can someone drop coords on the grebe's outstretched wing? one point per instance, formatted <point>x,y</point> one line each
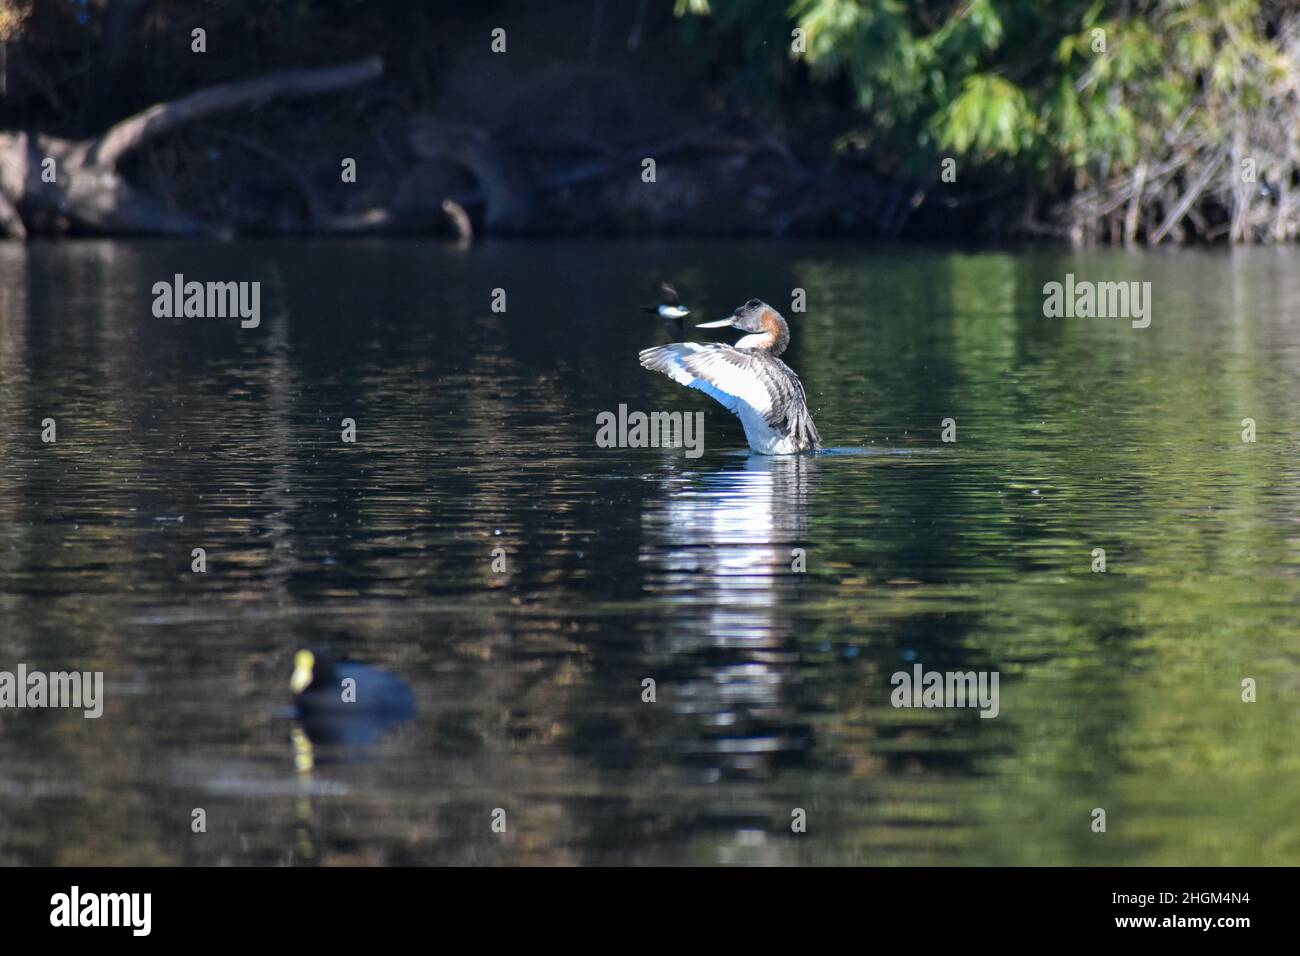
<point>732,377</point>
<point>751,384</point>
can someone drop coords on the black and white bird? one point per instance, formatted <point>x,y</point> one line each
<point>748,378</point>
<point>670,304</point>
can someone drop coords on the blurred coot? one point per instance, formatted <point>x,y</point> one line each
<point>339,701</point>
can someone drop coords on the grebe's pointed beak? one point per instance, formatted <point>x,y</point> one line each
<point>720,324</point>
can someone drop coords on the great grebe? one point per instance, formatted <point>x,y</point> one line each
<point>749,379</point>
<point>670,304</point>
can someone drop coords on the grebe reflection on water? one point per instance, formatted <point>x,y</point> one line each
<point>748,379</point>
<point>717,550</point>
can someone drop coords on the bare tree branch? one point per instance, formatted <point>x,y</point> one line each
<point>128,134</point>
<point>1189,197</point>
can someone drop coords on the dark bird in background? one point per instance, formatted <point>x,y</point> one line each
<point>346,702</point>
<point>670,304</point>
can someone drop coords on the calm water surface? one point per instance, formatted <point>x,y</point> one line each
<point>476,431</point>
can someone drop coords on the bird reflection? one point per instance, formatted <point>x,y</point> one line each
<point>725,551</point>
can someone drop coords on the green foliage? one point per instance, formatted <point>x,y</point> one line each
<point>1077,88</point>
<point>990,115</point>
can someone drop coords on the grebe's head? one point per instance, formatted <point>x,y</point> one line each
<point>767,330</point>
<point>754,316</point>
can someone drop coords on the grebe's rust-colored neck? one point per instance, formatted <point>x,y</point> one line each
<point>773,339</point>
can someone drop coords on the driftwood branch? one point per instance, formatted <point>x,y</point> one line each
<point>1135,205</point>
<point>1188,198</point>
<point>128,134</point>
<point>87,190</point>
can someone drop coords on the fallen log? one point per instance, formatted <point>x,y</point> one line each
<point>82,185</point>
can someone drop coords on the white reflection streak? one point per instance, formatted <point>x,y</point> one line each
<point>719,547</point>
<point>729,536</point>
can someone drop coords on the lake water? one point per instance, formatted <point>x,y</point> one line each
<point>475,431</point>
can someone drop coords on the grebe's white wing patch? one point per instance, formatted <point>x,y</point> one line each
<point>757,387</point>
<point>732,378</point>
